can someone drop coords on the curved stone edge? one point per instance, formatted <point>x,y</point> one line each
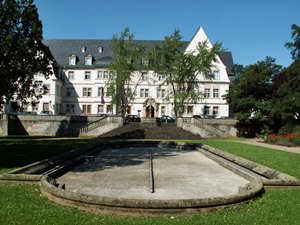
<point>273,177</point>
<point>53,192</point>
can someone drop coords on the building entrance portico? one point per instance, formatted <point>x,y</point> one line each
<point>150,108</point>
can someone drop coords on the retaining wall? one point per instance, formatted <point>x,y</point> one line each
<point>209,127</point>
<point>49,125</point>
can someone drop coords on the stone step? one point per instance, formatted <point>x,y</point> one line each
<point>139,131</point>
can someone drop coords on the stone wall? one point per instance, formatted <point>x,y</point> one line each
<point>47,125</point>
<point>209,127</point>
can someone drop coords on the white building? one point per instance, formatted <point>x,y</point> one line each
<point>80,85</point>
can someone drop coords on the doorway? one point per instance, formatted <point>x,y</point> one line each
<point>149,112</point>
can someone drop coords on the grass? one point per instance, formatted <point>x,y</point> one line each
<point>23,204</point>
<point>20,151</point>
<point>279,160</point>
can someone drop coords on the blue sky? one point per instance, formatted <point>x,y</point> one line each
<point>250,29</point>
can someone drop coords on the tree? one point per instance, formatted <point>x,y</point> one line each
<point>126,54</point>
<point>250,96</point>
<point>182,69</point>
<point>295,46</point>
<point>287,93</point>
<point>22,53</point>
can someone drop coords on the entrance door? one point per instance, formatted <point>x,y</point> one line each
<point>150,112</point>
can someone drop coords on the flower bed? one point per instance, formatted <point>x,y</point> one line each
<point>290,139</point>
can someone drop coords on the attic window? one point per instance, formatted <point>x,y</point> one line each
<point>199,43</point>
<point>83,49</point>
<point>88,60</point>
<point>100,49</point>
<point>72,60</point>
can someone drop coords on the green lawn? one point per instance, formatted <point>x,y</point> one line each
<point>23,204</point>
<point>283,161</point>
<point>20,151</point>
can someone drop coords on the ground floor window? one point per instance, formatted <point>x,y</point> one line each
<point>128,109</point>
<point>100,109</point>
<point>215,111</point>
<point>163,110</point>
<point>45,106</point>
<point>109,109</point>
<point>190,109</point>
<point>206,110</point>
<point>86,109</point>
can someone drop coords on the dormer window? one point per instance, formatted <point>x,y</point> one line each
<point>72,60</point>
<point>88,60</point>
<point>100,49</point>
<point>83,49</point>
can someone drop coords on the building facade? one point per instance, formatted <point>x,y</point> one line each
<point>80,85</point>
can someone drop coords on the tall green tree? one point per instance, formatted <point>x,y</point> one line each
<point>22,53</point>
<point>250,96</point>
<point>287,84</point>
<point>182,69</point>
<point>126,57</point>
<point>295,45</point>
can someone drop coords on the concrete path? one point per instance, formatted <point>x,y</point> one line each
<point>266,145</point>
<point>178,174</point>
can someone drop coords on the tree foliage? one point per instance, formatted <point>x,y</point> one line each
<point>250,96</point>
<point>22,53</point>
<point>126,54</point>
<point>295,45</point>
<point>182,69</point>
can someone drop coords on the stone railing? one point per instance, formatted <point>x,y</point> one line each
<point>106,120</point>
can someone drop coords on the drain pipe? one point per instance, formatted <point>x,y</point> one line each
<point>151,171</point>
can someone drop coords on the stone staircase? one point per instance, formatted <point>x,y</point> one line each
<point>140,131</point>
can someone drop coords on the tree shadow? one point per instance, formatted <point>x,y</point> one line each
<point>125,156</point>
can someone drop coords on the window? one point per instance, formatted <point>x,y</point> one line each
<point>105,74</point>
<point>87,92</point>
<point>111,74</point>
<point>87,75</point>
<point>109,109</point>
<point>144,93</point>
<point>83,49</point>
<point>163,110</point>
<point>70,92</point>
<point>144,76</point>
<point>217,75</point>
<point>161,77</point>
<point>160,93</point>
<point>46,106</point>
<point>190,109</point>
<point>100,91</point>
<point>216,93</point>
<point>86,109</point>
<point>100,75</point>
<point>100,49</point>
<point>206,93</point>
<point>100,109</point>
<point>206,110</point>
<point>215,111</point>
<point>46,89</point>
<point>72,60</point>
<point>88,60</point>
<point>70,108</point>
<point>71,75</point>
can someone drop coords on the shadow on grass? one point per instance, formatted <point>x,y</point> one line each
<point>16,152</point>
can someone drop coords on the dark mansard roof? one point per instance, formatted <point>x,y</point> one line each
<point>63,49</point>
